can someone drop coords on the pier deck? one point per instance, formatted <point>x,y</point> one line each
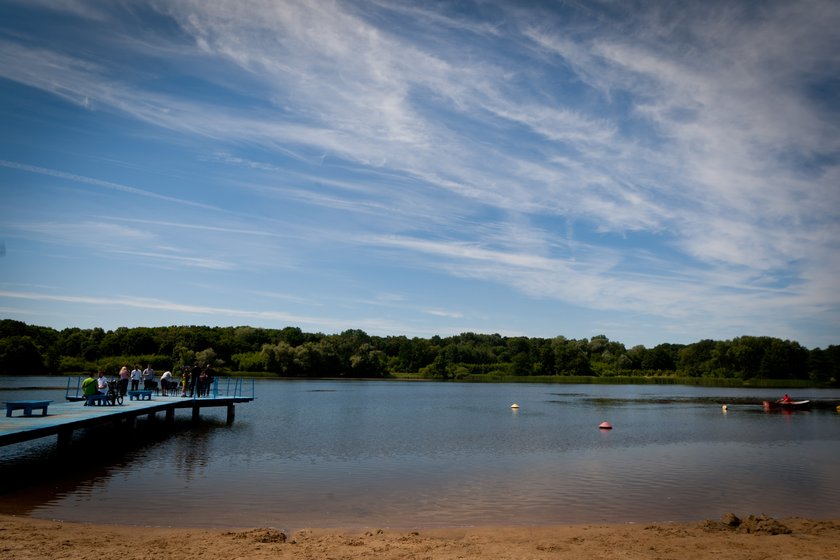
<point>64,418</point>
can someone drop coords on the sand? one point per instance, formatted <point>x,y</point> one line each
<point>753,537</point>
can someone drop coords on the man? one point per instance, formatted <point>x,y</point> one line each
<point>89,386</point>
<point>102,383</point>
<point>136,374</point>
<point>196,371</point>
<point>164,382</point>
<point>149,378</point>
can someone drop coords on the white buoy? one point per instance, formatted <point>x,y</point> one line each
<point>514,405</point>
<point>725,408</point>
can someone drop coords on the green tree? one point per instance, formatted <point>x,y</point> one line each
<point>659,358</point>
<point>784,359</point>
<point>570,357</point>
<point>697,359</point>
<point>20,356</point>
<point>280,359</point>
<point>367,362</point>
<point>207,357</point>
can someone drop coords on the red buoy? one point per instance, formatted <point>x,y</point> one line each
<point>605,426</point>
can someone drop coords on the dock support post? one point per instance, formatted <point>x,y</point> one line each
<point>231,414</point>
<point>64,439</point>
<point>170,415</point>
<point>195,415</point>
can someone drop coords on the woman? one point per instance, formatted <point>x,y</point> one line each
<point>124,375</point>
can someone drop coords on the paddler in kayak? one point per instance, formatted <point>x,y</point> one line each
<point>785,399</point>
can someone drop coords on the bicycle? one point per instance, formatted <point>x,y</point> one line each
<point>114,396</point>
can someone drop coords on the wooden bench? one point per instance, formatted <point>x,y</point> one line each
<point>140,395</point>
<point>27,407</point>
<point>99,398</point>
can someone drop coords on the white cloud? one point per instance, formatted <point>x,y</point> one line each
<point>100,183</point>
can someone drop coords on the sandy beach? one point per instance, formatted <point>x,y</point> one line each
<point>729,538</point>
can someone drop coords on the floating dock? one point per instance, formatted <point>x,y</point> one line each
<point>63,418</point>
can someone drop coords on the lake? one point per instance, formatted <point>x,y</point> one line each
<point>407,454</point>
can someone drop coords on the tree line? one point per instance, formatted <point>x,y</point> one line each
<point>290,352</point>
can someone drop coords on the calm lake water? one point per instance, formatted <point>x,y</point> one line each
<point>424,454</point>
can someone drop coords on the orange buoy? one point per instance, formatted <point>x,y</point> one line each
<point>605,426</point>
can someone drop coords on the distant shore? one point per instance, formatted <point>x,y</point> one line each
<point>723,383</point>
<point>730,538</point>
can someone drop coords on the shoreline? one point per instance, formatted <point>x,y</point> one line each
<point>728,538</point>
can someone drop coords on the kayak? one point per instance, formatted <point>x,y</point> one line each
<point>787,404</point>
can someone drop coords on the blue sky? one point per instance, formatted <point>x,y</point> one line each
<point>654,172</point>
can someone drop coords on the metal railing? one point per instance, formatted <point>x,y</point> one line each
<point>77,394</point>
<point>235,387</point>
<point>239,387</point>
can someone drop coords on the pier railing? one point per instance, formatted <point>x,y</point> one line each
<point>236,387</point>
<point>77,390</point>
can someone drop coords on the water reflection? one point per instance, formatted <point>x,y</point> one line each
<point>36,476</point>
<point>191,450</point>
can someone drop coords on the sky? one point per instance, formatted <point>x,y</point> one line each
<point>656,172</point>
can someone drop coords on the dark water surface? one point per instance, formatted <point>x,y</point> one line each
<point>416,454</point>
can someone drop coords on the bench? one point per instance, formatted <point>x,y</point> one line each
<point>27,407</point>
<point>140,395</point>
<point>99,398</point>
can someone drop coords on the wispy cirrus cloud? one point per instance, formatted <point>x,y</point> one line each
<point>103,184</point>
<point>192,312</point>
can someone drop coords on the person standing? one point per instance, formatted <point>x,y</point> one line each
<point>196,371</point>
<point>149,378</point>
<point>185,380</point>
<point>136,375</point>
<point>124,375</point>
<point>199,387</point>
<point>208,380</point>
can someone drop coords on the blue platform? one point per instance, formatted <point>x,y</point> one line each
<point>66,417</point>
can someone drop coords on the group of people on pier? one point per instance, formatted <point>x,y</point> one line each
<point>195,381</point>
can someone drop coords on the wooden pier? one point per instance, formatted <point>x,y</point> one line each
<point>65,417</point>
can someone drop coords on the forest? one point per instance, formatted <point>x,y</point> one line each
<point>289,352</point>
